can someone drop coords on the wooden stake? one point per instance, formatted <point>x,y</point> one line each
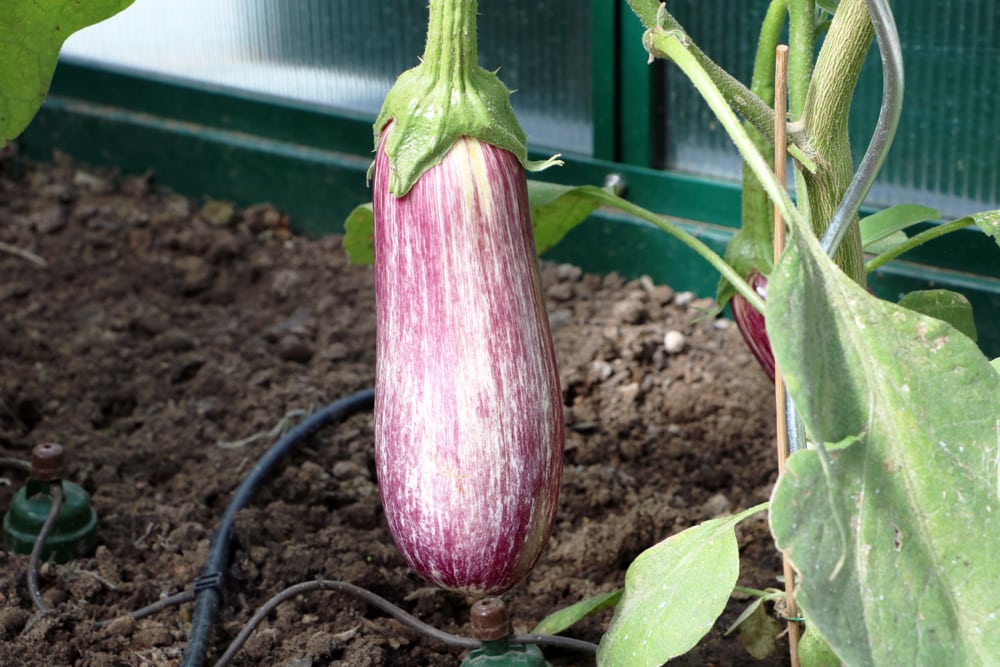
<point>780,168</point>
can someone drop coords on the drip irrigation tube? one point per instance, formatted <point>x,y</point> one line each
<point>457,641</point>
<point>43,607</point>
<point>208,587</point>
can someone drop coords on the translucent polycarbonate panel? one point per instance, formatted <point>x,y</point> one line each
<point>947,146</point>
<point>695,142</point>
<point>949,134</point>
<point>344,55</point>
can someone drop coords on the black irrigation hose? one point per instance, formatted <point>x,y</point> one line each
<point>15,464</point>
<point>149,610</point>
<point>556,641</point>
<point>208,587</point>
<point>207,591</point>
<point>344,587</point>
<point>56,492</point>
<point>375,600</point>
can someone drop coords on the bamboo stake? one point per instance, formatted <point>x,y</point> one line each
<point>780,168</point>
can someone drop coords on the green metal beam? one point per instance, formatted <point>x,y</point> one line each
<point>635,101</point>
<point>604,19</point>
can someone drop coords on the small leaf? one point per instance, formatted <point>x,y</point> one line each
<point>989,222</point>
<point>828,5</point>
<point>32,35</point>
<point>358,235</point>
<point>674,592</point>
<point>744,615</point>
<point>952,307</point>
<point>881,225</point>
<point>556,210</point>
<point>758,631</point>
<point>561,619</point>
<point>814,651</point>
<point>888,244</point>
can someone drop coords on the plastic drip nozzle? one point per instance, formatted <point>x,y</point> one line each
<point>75,531</point>
<point>491,625</point>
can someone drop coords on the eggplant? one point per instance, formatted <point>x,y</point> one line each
<point>468,410</point>
<point>751,324</point>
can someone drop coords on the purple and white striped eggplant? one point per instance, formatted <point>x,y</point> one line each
<point>751,324</point>
<point>468,411</point>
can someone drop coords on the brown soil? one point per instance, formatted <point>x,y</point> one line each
<point>161,331</point>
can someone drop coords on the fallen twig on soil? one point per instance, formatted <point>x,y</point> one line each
<point>23,254</point>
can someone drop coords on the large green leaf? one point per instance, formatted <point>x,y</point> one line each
<point>674,592</point>
<point>31,34</point>
<point>895,535</point>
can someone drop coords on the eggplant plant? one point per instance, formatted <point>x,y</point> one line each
<point>888,504</point>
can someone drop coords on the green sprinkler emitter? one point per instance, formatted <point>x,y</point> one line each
<point>74,531</point>
<point>491,626</point>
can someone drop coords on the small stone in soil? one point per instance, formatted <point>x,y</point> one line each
<point>674,342</point>
<point>50,220</point>
<point>293,348</point>
<point>569,272</point>
<point>12,621</point>
<point>717,505</point>
<point>630,311</point>
<point>123,626</point>
<point>684,298</point>
<point>218,212</point>
<point>197,274</point>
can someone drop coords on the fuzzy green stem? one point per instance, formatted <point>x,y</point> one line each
<point>767,594</point>
<point>801,43</point>
<point>825,117</point>
<point>750,249</point>
<point>608,199</point>
<point>671,44</point>
<point>916,241</point>
<point>757,210</point>
<point>762,80</point>
<point>451,49</point>
<point>801,52</point>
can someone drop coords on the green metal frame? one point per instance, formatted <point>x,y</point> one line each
<point>205,141</point>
